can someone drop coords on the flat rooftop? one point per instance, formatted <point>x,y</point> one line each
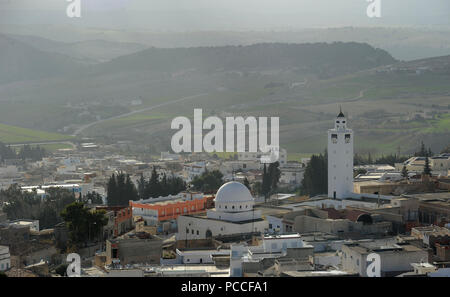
<point>328,273</point>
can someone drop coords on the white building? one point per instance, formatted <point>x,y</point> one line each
<point>192,170</point>
<point>167,156</point>
<point>292,175</point>
<point>340,159</point>
<point>234,214</point>
<point>74,188</point>
<point>200,256</point>
<point>33,224</point>
<point>5,258</point>
<point>394,258</point>
<point>272,246</point>
<point>256,156</point>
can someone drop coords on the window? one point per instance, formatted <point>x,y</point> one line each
<point>347,138</point>
<point>334,138</point>
<point>197,232</point>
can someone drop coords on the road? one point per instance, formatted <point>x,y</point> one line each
<point>84,127</point>
<point>42,143</point>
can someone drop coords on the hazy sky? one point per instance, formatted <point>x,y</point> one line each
<point>227,14</point>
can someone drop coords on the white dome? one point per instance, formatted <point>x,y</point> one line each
<point>233,192</point>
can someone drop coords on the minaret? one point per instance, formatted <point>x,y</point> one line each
<point>340,159</point>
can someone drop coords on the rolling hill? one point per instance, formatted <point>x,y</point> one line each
<point>86,52</point>
<point>390,104</point>
<point>19,61</point>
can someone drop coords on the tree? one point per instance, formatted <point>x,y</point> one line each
<point>120,190</point>
<point>141,187</point>
<point>315,179</point>
<point>359,171</point>
<point>83,225</point>
<point>94,197</point>
<point>265,187</point>
<point>111,190</point>
<point>25,205</point>
<point>274,175</point>
<point>257,188</point>
<point>246,183</point>
<point>6,152</point>
<point>423,152</point>
<point>426,168</point>
<point>405,172</point>
<point>208,181</point>
<point>153,187</point>
<point>168,185</point>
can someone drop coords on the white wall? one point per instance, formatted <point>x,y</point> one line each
<point>340,161</point>
<point>5,258</point>
<point>215,226</point>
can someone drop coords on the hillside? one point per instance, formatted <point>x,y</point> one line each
<point>402,43</point>
<point>86,52</point>
<point>390,104</point>
<point>19,61</point>
<point>319,58</point>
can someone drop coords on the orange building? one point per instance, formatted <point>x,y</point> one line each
<point>170,209</point>
<point>123,218</point>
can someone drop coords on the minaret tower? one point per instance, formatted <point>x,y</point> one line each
<point>340,159</point>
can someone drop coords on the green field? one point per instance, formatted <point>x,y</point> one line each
<point>13,134</point>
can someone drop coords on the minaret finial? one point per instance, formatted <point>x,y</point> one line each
<point>341,114</point>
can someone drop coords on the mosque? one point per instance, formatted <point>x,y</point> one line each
<point>233,214</point>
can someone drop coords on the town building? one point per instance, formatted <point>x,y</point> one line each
<point>5,258</point>
<point>133,249</point>
<point>157,210</point>
<point>120,220</point>
<point>233,214</point>
<point>394,258</point>
<point>288,249</point>
<point>340,159</point>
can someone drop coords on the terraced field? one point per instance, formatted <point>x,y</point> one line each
<point>13,134</point>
